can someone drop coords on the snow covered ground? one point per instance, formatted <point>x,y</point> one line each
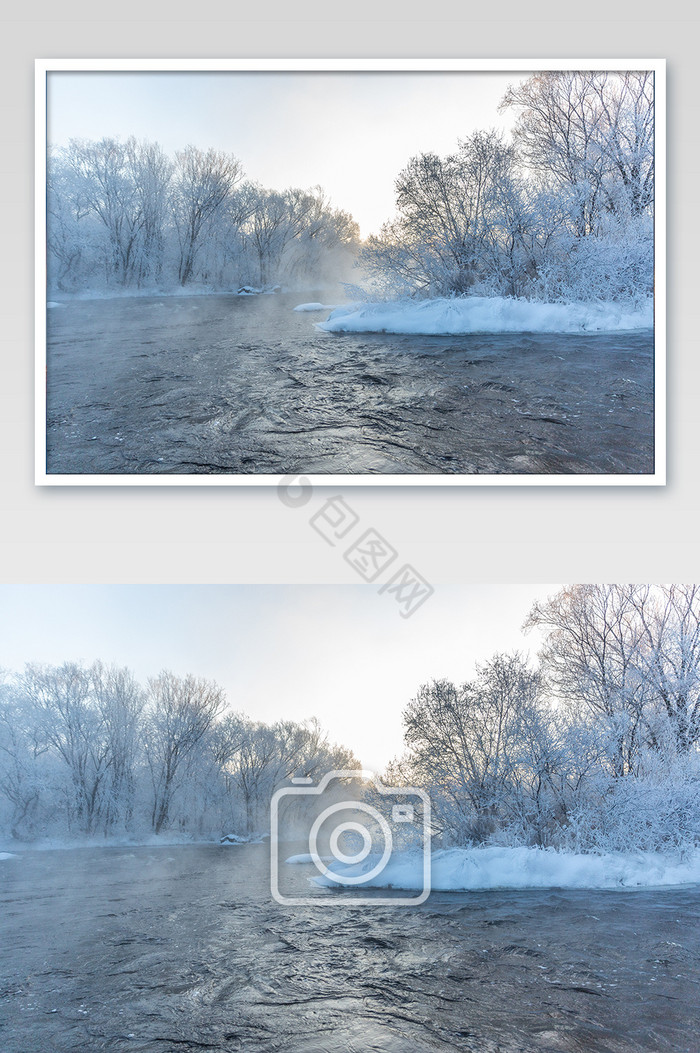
<point>9,849</point>
<point>485,314</point>
<point>469,869</point>
<point>316,307</point>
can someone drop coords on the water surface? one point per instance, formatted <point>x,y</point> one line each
<point>158,950</point>
<point>229,384</point>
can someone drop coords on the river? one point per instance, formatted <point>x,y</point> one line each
<point>165,949</point>
<point>227,384</point>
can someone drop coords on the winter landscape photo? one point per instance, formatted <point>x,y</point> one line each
<point>427,273</point>
<point>283,818</point>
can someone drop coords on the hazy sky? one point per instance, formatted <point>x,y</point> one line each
<point>341,653</point>
<point>352,133</point>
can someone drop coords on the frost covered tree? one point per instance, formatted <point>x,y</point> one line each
<point>22,762</point>
<point>85,716</point>
<point>591,135</point>
<point>597,750</point>
<point>587,140</point>
<point>563,212</point>
<point>85,750</point>
<point>669,659</point>
<point>67,232</point>
<point>72,727</point>
<point>590,659</point>
<point>452,218</point>
<point>466,743</point>
<point>296,234</point>
<point>179,712</point>
<point>271,228</point>
<point>119,700</point>
<point>559,137</point>
<point>152,173</point>
<point>222,260</point>
<point>124,214</point>
<point>105,189</point>
<point>627,107</point>
<point>107,212</point>
<point>628,656</point>
<point>267,755</point>
<point>325,241</point>
<point>202,184</point>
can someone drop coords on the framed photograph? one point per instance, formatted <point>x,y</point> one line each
<point>369,272</point>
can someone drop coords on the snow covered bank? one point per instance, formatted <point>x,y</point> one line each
<point>468,869</point>
<point>485,314</point>
<point>316,307</point>
<point>162,292</point>
<point>70,844</point>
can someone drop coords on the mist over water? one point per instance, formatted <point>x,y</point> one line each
<point>229,384</point>
<point>182,948</point>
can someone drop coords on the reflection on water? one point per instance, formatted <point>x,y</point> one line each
<point>227,384</point>
<point>182,948</point>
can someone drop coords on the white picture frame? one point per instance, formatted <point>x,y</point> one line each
<point>43,69</point>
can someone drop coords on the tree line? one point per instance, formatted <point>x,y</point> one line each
<point>85,750</point>
<point>595,747</point>
<point>125,215</point>
<point>564,211</point>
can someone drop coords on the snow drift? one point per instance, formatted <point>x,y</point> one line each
<point>485,314</point>
<point>315,307</point>
<point>469,869</point>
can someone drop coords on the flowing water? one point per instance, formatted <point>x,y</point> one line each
<point>158,950</point>
<point>236,384</point>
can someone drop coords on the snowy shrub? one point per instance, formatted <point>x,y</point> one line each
<point>654,812</point>
<point>617,264</point>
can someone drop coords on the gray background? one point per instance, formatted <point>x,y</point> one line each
<point>208,534</point>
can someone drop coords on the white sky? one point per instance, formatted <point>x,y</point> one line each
<point>352,133</point>
<point>341,653</point>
